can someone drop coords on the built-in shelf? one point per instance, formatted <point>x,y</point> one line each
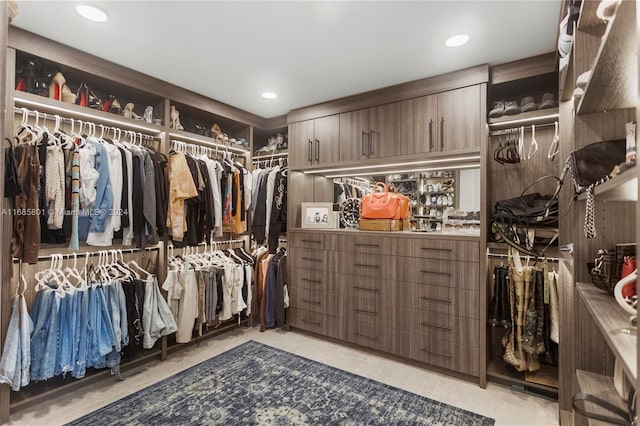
<point>547,115</point>
<point>500,372</point>
<point>614,75</point>
<point>68,110</point>
<point>206,141</point>
<point>611,319</point>
<point>623,187</point>
<point>602,387</point>
<point>270,156</point>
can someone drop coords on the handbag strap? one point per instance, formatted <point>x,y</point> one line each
<point>624,416</point>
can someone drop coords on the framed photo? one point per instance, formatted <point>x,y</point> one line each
<point>318,215</point>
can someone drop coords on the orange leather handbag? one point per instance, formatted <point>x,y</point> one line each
<point>384,204</point>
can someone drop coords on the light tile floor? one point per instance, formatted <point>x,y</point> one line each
<point>507,407</point>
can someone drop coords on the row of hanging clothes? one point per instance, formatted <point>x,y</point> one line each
<point>269,201</point>
<point>207,197</point>
<point>271,297</point>
<point>206,288</point>
<point>81,320</point>
<point>83,185</point>
<point>525,304</point>
<point>344,188</point>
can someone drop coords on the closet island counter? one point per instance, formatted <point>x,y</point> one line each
<point>413,295</point>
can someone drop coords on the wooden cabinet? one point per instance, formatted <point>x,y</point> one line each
<point>459,119</point>
<point>414,297</point>
<point>314,141</point>
<point>370,133</point>
<point>419,130</point>
<point>354,135</point>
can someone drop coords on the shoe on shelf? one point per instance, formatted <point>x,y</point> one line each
<point>216,132</point>
<point>511,108</point>
<point>87,98</point>
<point>106,105</point>
<point>528,104</point>
<point>55,86</point>
<point>115,107</point>
<point>67,95</point>
<point>497,110</point>
<point>129,113</point>
<point>175,119</point>
<point>548,101</point>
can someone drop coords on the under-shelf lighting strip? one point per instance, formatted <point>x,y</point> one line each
<point>270,156</point>
<point>92,117</point>
<point>530,120</point>
<point>392,172</point>
<point>208,143</point>
<point>381,168</point>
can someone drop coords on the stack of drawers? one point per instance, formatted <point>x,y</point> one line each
<point>414,297</point>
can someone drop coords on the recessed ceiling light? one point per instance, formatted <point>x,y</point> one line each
<point>457,40</point>
<point>269,95</point>
<point>91,13</point>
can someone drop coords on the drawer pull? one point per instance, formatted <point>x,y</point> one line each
<point>364,265</point>
<point>432,299</point>
<point>364,311</point>
<point>435,273</point>
<point>367,245</point>
<point>311,259</point>
<point>366,337</point>
<point>426,324</point>
<point>375,290</point>
<point>312,241</point>
<point>435,249</point>
<point>311,281</point>
<point>311,301</point>
<point>435,353</point>
<point>310,322</point>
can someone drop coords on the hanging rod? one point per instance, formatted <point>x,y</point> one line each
<point>82,123</point>
<point>526,121</point>
<point>268,157</point>
<point>549,259</point>
<point>187,147</point>
<point>91,253</point>
<point>205,142</point>
<point>512,130</point>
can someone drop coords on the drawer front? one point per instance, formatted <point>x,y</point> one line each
<point>365,244</point>
<point>425,271</point>
<point>367,305</point>
<point>314,259</point>
<point>445,300</point>
<point>451,328</point>
<point>428,248</point>
<point>312,240</point>
<point>365,265</point>
<point>461,358</point>
<point>372,336</point>
<point>317,301</point>
<point>318,323</point>
<point>314,280</point>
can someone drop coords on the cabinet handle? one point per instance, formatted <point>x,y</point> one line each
<point>375,290</point>
<point>435,249</point>
<point>311,281</point>
<point>310,151</point>
<point>434,272</point>
<point>364,265</point>
<point>311,322</point>
<point>364,152</point>
<point>371,132</point>
<point>426,324</point>
<point>365,336</point>
<point>311,301</point>
<point>317,151</point>
<point>365,311</point>
<point>312,241</point>
<point>430,134</point>
<point>442,134</point>
<point>311,259</point>
<point>367,245</point>
<point>448,302</point>
<point>436,353</point>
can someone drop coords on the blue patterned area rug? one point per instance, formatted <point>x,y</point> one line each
<point>257,384</point>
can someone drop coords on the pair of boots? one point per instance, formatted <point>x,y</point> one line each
<point>499,310</point>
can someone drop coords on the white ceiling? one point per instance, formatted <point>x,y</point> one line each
<point>306,52</point>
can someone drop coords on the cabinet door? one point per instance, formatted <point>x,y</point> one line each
<point>301,141</point>
<point>420,130</point>
<point>384,134</point>
<point>459,119</point>
<point>354,128</point>
<point>326,140</point>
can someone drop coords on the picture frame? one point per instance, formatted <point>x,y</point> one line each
<point>318,216</point>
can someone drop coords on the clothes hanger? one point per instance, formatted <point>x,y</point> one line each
<point>533,147</point>
<point>554,148</point>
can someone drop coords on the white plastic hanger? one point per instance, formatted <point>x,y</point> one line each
<point>533,147</point>
<point>554,147</point>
